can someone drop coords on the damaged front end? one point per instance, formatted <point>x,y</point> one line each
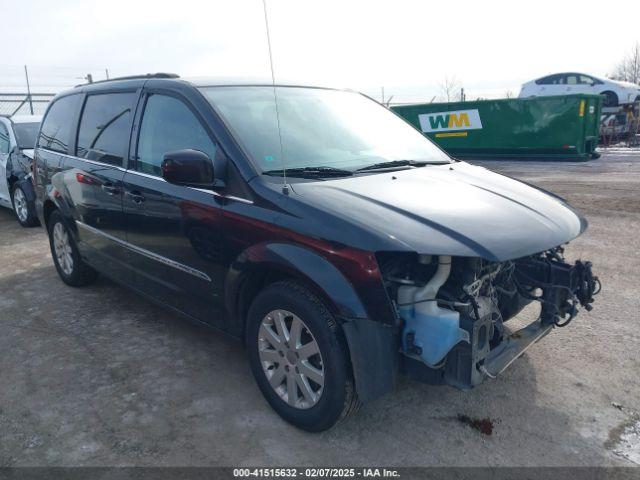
<point>453,309</point>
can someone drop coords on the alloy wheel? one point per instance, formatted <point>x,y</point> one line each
<point>62,248</point>
<point>291,359</point>
<point>20,205</point>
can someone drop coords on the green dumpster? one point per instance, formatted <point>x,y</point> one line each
<point>559,127</point>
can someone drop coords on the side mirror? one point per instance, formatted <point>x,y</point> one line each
<point>191,168</point>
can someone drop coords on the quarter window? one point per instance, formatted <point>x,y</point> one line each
<point>169,125</point>
<point>57,128</point>
<point>4,139</point>
<point>105,127</point>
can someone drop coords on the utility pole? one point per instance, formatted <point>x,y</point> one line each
<point>26,74</point>
<point>383,95</point>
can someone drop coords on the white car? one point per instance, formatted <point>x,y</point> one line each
<point>17,141</point>
<point>614,92</point>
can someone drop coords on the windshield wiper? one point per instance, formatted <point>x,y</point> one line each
<point>397,163</point>
<point>319,171</point>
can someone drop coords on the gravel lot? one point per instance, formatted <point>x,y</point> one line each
<point>100,376</point>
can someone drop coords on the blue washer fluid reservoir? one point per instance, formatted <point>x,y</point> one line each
<point>434,330</point>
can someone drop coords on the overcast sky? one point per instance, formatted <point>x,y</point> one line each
<point>491,47</point>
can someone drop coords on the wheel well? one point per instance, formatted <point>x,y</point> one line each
<point>612,93</point>
<point>11,182</point>
<point>254,283</point>
<point>48,209</point>
<point>258,280</point>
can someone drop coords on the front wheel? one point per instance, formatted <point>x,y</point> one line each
<point>21,207</point>
<point>66,257</point>
<point>298,359</point>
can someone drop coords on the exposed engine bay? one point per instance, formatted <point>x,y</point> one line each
<point>453,310</point>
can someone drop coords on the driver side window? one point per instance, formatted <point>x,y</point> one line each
<point>169,125</point>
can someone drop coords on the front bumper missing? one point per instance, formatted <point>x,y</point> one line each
<point>564,287</point>
<point>512,347</point>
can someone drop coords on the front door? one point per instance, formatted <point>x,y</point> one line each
<point>5,144</point>
<point>174,231</point>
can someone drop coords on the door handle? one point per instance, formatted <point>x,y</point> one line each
<point>110,189</point>
<point>136,196</point>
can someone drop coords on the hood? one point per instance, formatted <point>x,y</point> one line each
<point>28,152</point>
<point>457,209</point>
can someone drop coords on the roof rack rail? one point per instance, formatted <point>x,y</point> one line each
<point>132,77</point>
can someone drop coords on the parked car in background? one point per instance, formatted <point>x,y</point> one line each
<point>614,127</point>
<point>614,92</point>
<point>331,236</point>
<point>17,140</point>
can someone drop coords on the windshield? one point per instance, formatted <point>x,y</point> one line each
<point>26,134</point>
<point>318,127</point>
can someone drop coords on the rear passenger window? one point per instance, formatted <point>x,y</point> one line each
<point>169,125</point>
<point>57,127</point>
<point>105,127</point>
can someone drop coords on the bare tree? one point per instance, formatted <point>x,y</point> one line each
<point>450,88</point>
<point>508,94</point>
<point>629,67</point>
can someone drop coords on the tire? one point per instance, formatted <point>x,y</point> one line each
<point>312,407</point>
<point>21,207</point>
<point>610,99</point>
<point>71,268</point>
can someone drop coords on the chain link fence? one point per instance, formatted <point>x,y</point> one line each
<point>24,103</point>
<point>26,90</point>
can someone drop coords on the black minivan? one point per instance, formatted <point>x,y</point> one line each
<point>341,245</point>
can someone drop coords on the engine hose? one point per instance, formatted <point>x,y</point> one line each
<point>474,304</point>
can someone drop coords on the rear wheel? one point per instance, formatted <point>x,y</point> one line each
<point>21,208</point>
<point>66,257</point>
<point>297,358</point>
<point>610,99</point>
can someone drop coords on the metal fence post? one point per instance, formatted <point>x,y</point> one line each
<point>26,74</point>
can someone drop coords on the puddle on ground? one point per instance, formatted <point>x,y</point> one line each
<point>628,442</point>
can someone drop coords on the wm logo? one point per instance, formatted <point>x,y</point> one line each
<point>450,121</point>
